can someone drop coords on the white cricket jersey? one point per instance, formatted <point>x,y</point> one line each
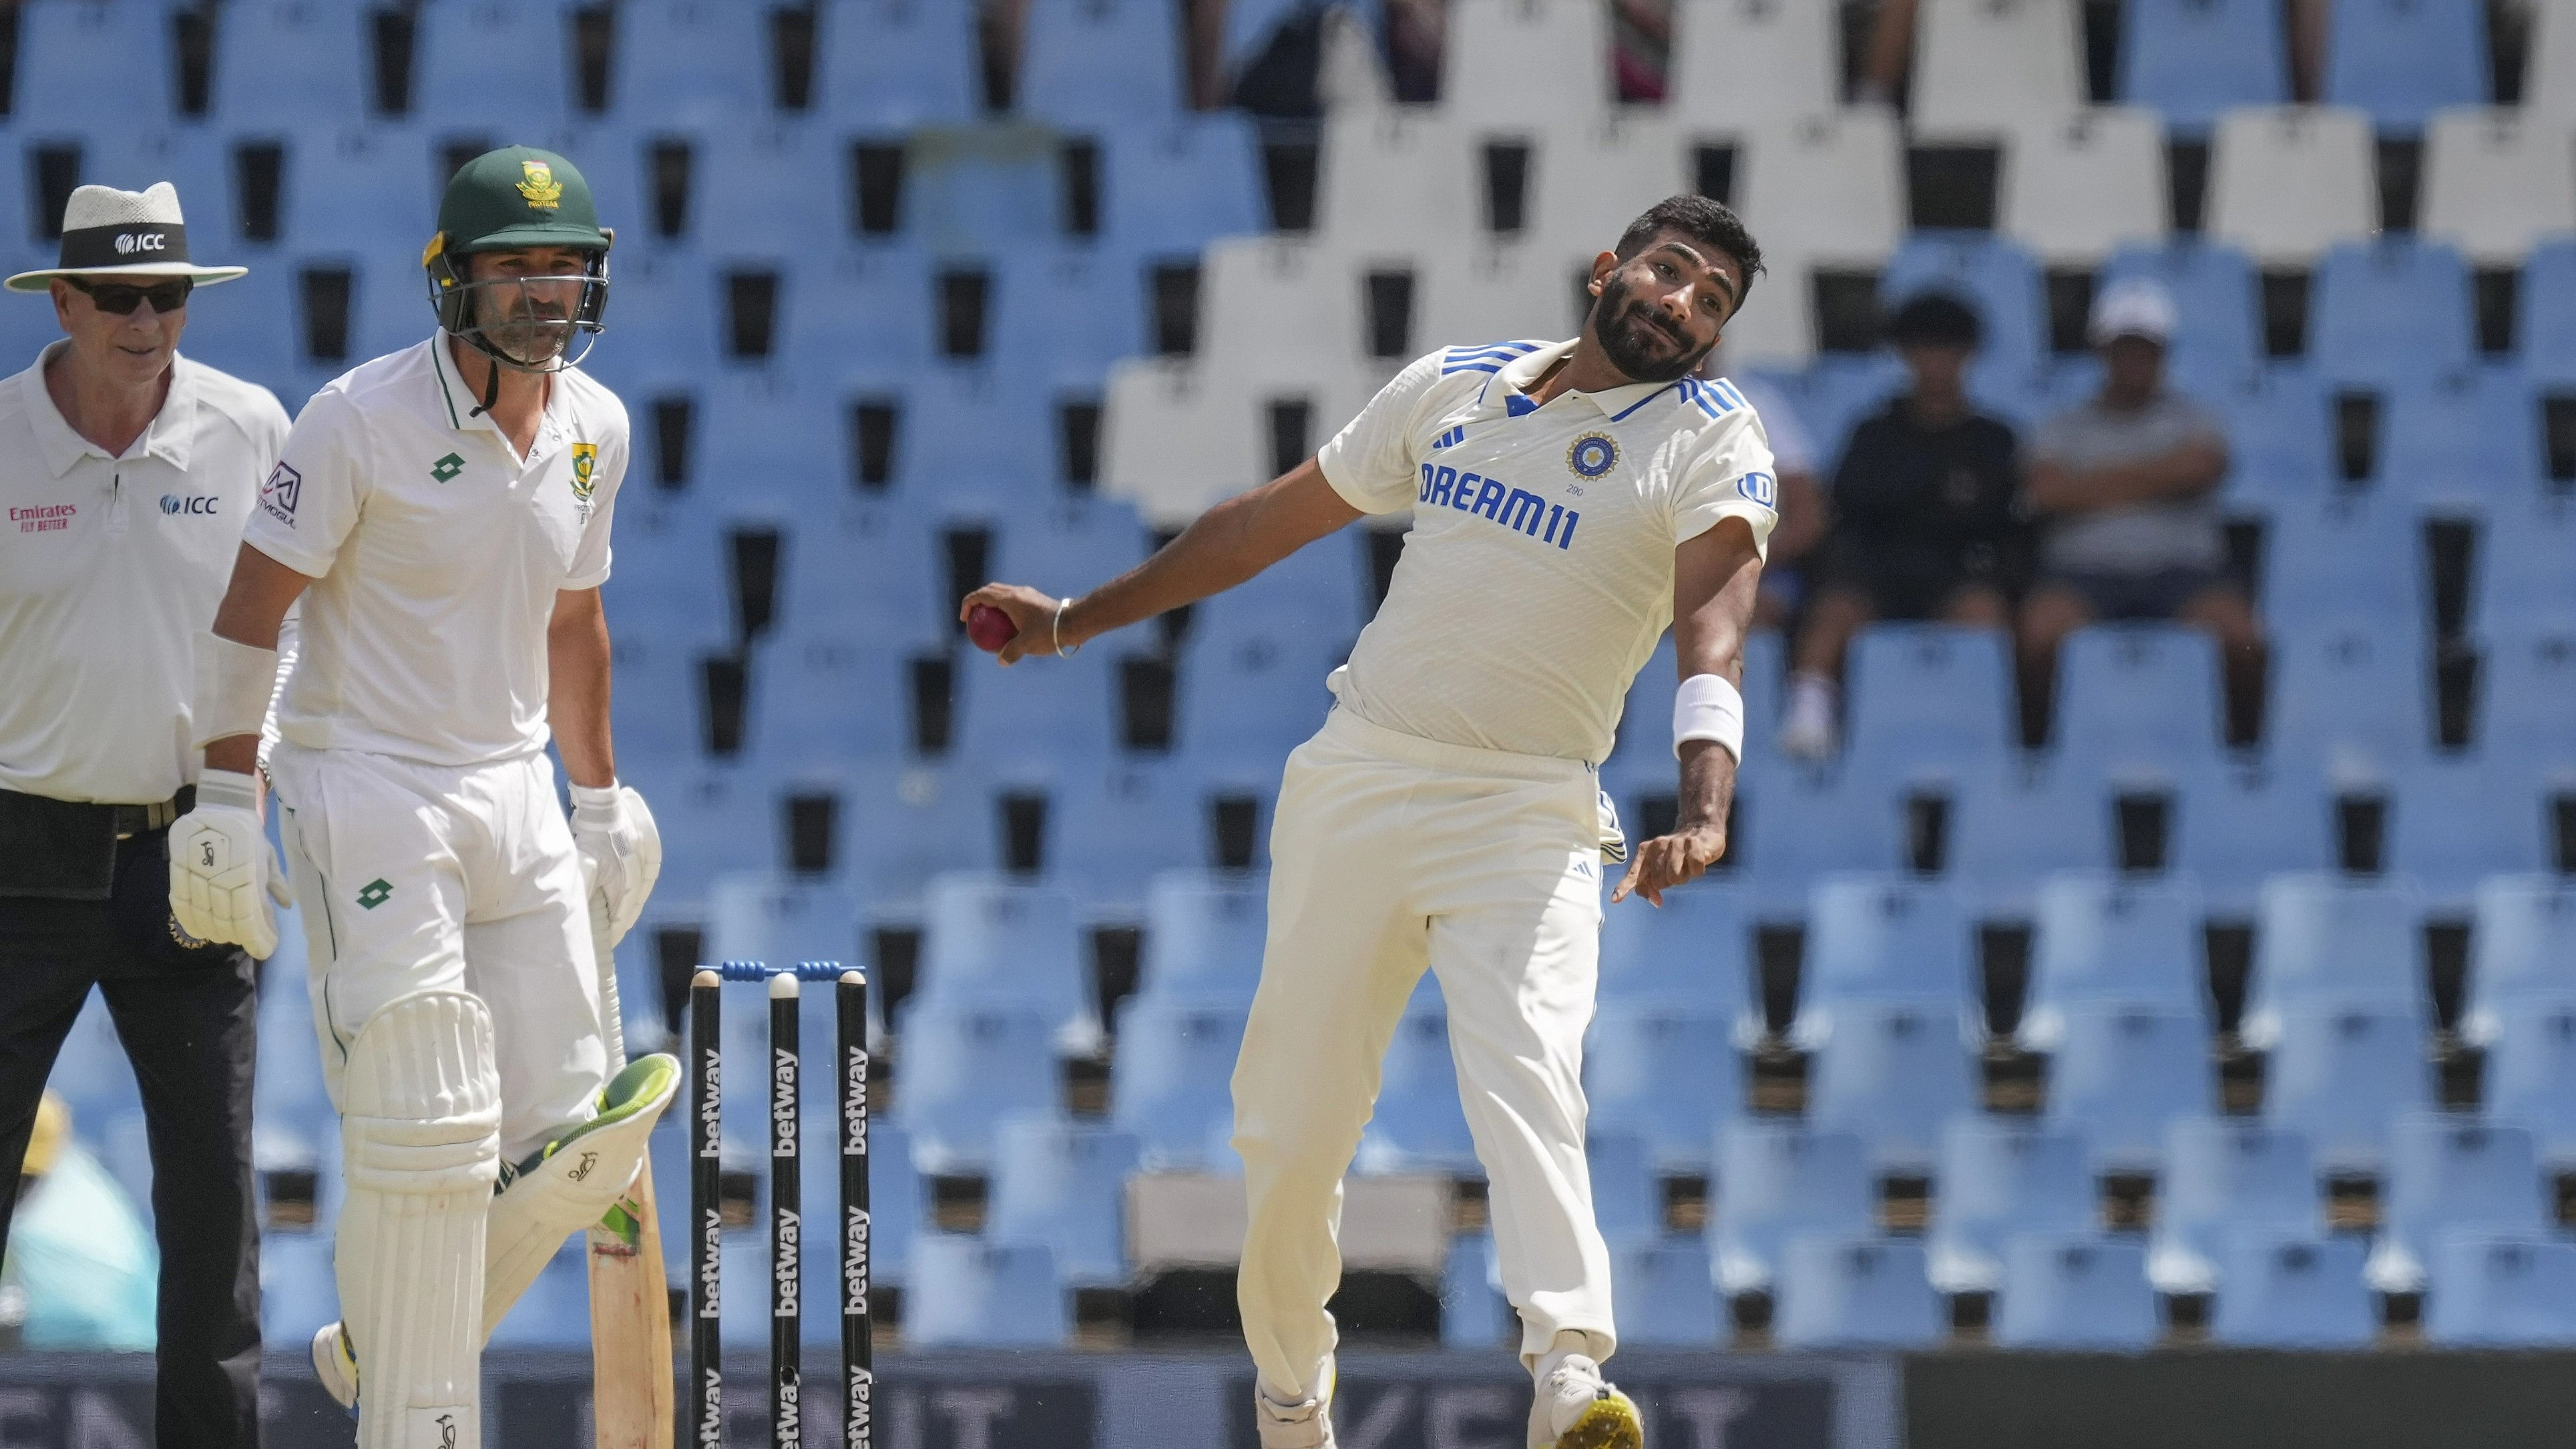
<point>436,553</point>
<point>110,569</point>
<point>1539,572</point>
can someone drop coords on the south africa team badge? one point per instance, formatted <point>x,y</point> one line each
<point>1592,455</point>
<point>585,457</point>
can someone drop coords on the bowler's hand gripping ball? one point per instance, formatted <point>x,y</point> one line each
<point>990,628</point>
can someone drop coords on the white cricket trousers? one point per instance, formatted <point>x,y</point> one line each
<point>1391,853</point>
<point>414,877</point>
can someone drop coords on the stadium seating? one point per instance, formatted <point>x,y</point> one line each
<point>1667,1072</point>
<point>1845,1291</point>
<point>969,1293</point>
<point>2449,1174</point>
<point>2344,561</point>
<point>2522,705</point>
<point>2008,830</point>
<point>2194,60</point>
<point>1171,1090</point>
<point>887,66</point>
<point>1980,70</point>
<point>2081,1291</point>
<point>2401,60</point>
<point>2456,443</point>
<point>2341,1074</point>
<point>1627,1193</point>
<point>2552,52</point>
<point>965,1072</point>
<point>1064,1185</point>
<point>2531,1076</point>
<point>2336,941</point>
<point>2518,590</point>
<point>1895,1073</point>
<point>991,941</point>
<point>1419,1125</point>
<point>2351,700</point>
<point>2522,951</point>
<point>2077,188</point>
<point>1882,938</point>
<point>1995,277</point>
<point>1775,1178</point>
<point>2456,824</point>
<point>1694,951</point>
<point>1930,704</point>
<point>2287,182</point>
<point>2106,940</point>
<point>2493,185</point>
<point>1660,1292</point>
<point>1092,65</point>
<point>1736,64</point>
<point>2124,1074</point>
<point>1827,187</point>
<point>2139,704</point>
<point>1998,1178</point>
<point>2502,1291</point>
<point>1521,64</point>
<point>2235,824</point>
<point>2390,311</point>
<point>2293,1292</point>
<point>2226,1176</point>
<point>1473,1311</point>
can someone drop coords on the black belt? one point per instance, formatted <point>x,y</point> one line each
<point>127,820</point>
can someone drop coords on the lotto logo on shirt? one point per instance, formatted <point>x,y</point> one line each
<point>1517,509</point>
<point>44,517</point>
<point>277,495</point>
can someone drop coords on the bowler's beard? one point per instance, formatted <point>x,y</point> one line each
<point>1637,340</point>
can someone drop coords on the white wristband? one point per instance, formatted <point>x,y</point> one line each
<point>1708,707</point>
<point>228,787</point>
<point>234,682</point>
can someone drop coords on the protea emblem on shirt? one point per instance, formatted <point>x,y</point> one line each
<point>585,459</point>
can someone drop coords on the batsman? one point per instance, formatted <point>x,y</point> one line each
<point>443,514</point>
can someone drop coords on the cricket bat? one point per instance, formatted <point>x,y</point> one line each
<point>630,1305</point>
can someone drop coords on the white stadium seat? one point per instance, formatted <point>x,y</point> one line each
<point>2076,188</point>
<point>1737,64</point>
<point>1828,187</point>
<point>1983,68</point>
<point>1175,438</point>
<point>1277,308</point>
<point>1395,182</point>
<point>2498,180</point>
<point>1527,64</point>
<point>1492,291</point>
<point>2287,182</point>
<point>1777,327</point>
<point>2547,90</point>
<point>1588,182</point>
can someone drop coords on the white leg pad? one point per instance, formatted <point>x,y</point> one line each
<point>572,1183</point>
<point>420,1133</point>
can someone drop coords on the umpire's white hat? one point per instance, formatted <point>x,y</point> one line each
<point>124,233</point>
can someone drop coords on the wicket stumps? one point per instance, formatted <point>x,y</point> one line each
<point>786,1229</point>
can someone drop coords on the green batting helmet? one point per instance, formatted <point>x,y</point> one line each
<point>517,196</point>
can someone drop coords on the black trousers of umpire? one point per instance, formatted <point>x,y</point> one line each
<point>187,1018</point>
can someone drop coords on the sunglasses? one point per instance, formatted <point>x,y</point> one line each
<point>121,298</point>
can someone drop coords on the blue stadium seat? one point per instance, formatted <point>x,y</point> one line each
<point>1930,704</point>
<point>2462,442</point>
<point>293,1123</point>
<point>2336,941</point>
<point>1662,1294</point>
<point>2522,951</point>
<point>2341,1074</point>
<point>1064,1184</point>
<point>963,189</point>
<point>247,327</point>
<point>760,192</point>
<point>65,46</point>
<point>1775,1177</point>
<point>989,940</point>
<point>1895,1073</point>
<point>825,692</point>
<point>2010,829</point>
<point>191,157</point>
<point>2225,1175</point>
<point>1112,829</point>
<point>900,824</point>
<point>2352,699</point>
<point>1172,189</point>
<point>2236,823</point>
<point>1997,1177</point>
<point>2344,560</point>
<point>969,1293</point>
<point>1101,64</point>
<point>2212,285</point>
<point>1063,315</point>
<point>495,65</point>
<point>2193,59</point>
<point>670,583</point>
<point>2083,1291</point>
<point>286,67</point>
<point>661,330</point>
<point>1070,546</point>
<point>1473,1311</point>
<point>1883,938</point>
<point>2499,1291</point>
<point>1251,689</point>
<point>1204,932</point>
<point>1627,1192</point>
<point>2531,1076</point>
<point>1171,1086</point>
<point>91,1073</point>
<point>1855,1291</point>
<point>2548,291</point>
<point>2402,60</point>
<point>298,1290</point>
<point>866,560</point>
<point>712,820</point>
<point>2293,1292</point>
<point>2521,581</point>
<point>1076,696</point>
<point>1669,1073</point>
<point>1994,276</point>
<point>2526,680</point>
<point>866,319</point>
<point>2450,1173</point>
<point>889,66</point>
<point>2280,434</point>
<point>2389,313</point>
<point>977,446</point>
<point>1835,391</point>
<point>2457,822</point>
<point>555,1311</point>
<point>1695,950</point>
<point>2138,703</point>
<point>2124,1074</point>
<point>1419,1125</point>
<point>1795,828</point>
<point>2103,939</point>
<point>968,1069</point>
<point>744,1260</point>
<point>686,61</point>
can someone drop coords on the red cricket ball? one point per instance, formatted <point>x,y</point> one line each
<point>990,628</point>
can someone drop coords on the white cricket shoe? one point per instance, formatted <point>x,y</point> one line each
<point>336,1366</point>
<point>1576,1408</point>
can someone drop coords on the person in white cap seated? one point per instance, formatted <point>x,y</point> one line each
<point>2124,487</point>
<point>127,473</point>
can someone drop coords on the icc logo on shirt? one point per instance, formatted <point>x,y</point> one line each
<point>199,503</point>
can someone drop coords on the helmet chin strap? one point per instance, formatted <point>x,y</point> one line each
<point>499,360</point>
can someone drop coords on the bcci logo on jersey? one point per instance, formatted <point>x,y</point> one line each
<point>1592,455</point>
<point>585,475</point>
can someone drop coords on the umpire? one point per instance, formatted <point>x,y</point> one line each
<point>127,472</point>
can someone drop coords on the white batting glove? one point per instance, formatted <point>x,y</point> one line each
<point>620,848</point>
<point>224,874</point>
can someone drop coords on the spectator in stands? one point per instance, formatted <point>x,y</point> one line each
<point>1926,516</point>
<point>2124,489</point>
